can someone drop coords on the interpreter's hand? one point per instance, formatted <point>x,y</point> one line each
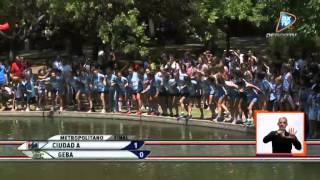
<point>292,133</point>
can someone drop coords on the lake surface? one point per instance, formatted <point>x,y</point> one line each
<point>43,128</point>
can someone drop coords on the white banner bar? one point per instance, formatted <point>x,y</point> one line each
<point>81,145</point>
<point>52,154</point>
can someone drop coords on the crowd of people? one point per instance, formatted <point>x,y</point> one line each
<point>231,86</point>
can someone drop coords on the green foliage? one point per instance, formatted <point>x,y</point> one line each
<point>120,24</point>
<point>217,13</point>
<point>307,12</point>
<point>113,22</point>
<point>310,18</point>
<point>125,33</point>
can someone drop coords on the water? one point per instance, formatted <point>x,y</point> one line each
<point>43,128</point>
<point>159,171</point>
<point>39,128</point>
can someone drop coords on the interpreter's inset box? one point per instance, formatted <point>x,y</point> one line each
<point>280,133</point>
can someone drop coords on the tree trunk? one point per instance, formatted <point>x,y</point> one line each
<point>11,50</point>
<point>228,41</point>
<point>76,44</point>
<point>151,27</point>
<point>226,28</point>
<point>27,44</point>
<point>95,49</point>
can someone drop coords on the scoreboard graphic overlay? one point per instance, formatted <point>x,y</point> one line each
<point>127,148</point>
<point>106,148</point>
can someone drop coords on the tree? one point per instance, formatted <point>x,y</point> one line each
<point>170,18</point>
<point>24,18</point>
<point>307,12</point>
<point>110,22</point>
<point>120,25</point>
<point>107,23</point>
<point>219,14</point>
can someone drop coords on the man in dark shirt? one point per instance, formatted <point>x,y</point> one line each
<point>283,140</point>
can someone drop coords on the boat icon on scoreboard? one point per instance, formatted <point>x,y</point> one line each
<point>33,145</point>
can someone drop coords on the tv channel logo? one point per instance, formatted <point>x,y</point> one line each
<point>285,21</point>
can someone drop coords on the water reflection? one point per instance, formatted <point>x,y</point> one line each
<point>43,128</point>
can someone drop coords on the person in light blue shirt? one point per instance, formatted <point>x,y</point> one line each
<point>57,83</point>
<point>266,87</point>
<point>75,84</point>
<point>183,90</point>
<point>205,86</point>
<point>57,88</point>
<point>42,91</point>
<point>173,93</point>
<point>30,91</point>
<point>98,83</point>
<point>86,87</point>
<point>145,75</point>
<point>287,83</point>
<point>144,100</point>
<point>3,75</point>
<point>3,82</point>
<point>111,79</point>
<point>135,88</point>
<point>152,92</point>
<point>194,93</point>
<point>18,90</point>
<point>164,98</point>
<point>121,82</point>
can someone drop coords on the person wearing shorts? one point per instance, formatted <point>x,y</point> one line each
<point>41,90</point>
<point>182,91</point>
<point>99,88</point>
<point>173,94</point>
<point>121,81</point>
<point>74,84</point>
<point>152,92</point>
<point>287,82</point>
<point>112,90</point>
<point>135,88</point>
<point>234,97</point>
<point>194,95</point>
<point>211,98</point>
<point>164,93</point>
<point>30,92</point>
<point>220,95</point>
<point>86,87</point>
<point>251,91</point>
<point>57,89</point>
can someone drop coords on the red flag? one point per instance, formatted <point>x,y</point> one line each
<point>4,26</point>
